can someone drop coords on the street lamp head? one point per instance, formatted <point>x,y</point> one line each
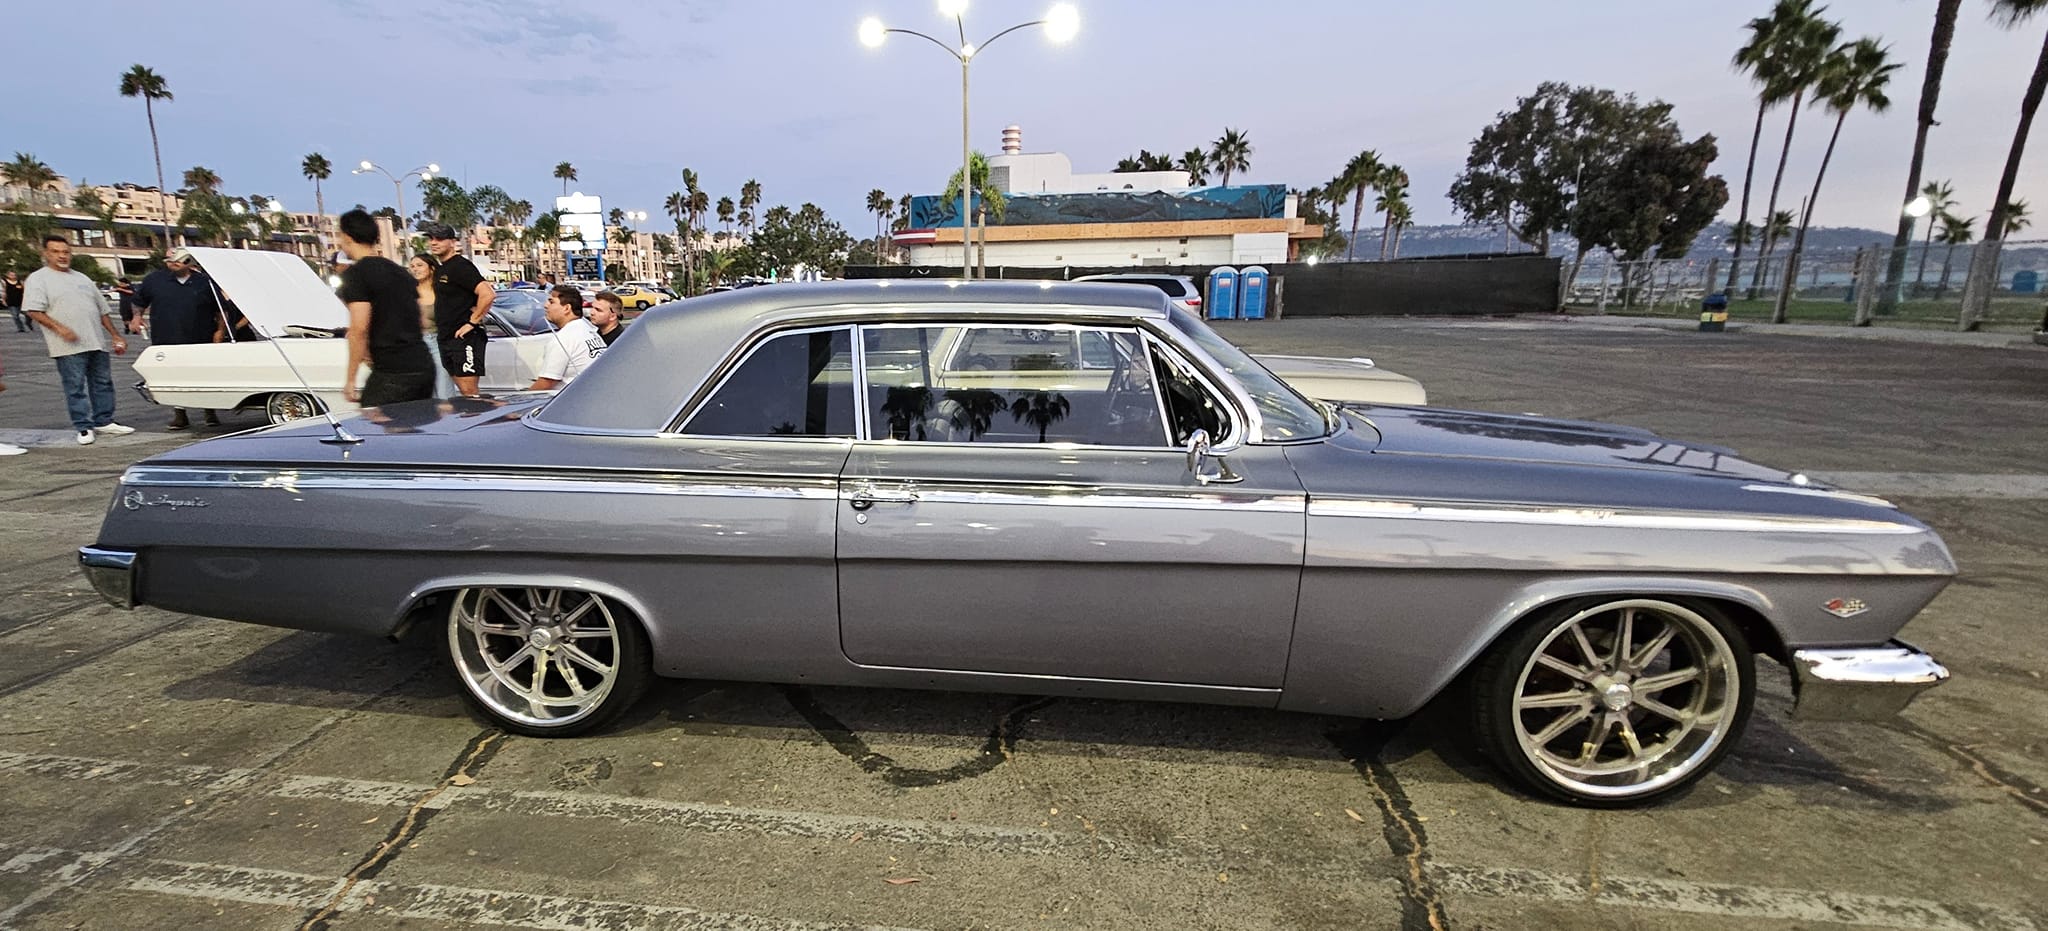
<point>967,51</point>
<point>873,33</point>
<point>367,165</point>
<point>1919,207</point>
<point>1062,22</point>
<point>237,208</point>
<point>1312,258</point>
<point>275,206</point>
<point>433,168</point>
<point>426,176</point>
<point>953,8</point>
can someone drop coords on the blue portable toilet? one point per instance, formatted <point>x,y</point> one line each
<point>1222,299</point>
<point>1251,293</point>
<point>2027,282</point>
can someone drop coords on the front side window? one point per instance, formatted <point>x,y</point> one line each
<point>796,384</point>
<point>985,384</point>
<point>1287,415</point>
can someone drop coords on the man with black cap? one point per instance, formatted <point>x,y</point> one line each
<point>178,304</point>
<point>462,298</point>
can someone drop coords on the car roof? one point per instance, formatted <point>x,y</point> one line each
<point>672,348</point>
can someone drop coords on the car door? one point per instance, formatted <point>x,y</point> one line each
<point>1029,513</point>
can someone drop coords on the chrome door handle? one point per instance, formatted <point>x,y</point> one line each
<point>867,496</point>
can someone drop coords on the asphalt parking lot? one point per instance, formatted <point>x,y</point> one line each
<point>161,770</point>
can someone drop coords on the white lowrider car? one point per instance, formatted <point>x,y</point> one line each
<point>294,370</point>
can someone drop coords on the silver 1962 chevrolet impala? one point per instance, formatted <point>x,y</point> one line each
<point>910,485</point>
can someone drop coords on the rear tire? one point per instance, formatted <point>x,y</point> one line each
<point>546,662</point>
<point>1616,701</point>
<point>287,406</point>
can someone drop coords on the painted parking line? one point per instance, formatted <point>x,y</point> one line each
<point>1752,903</point>
<point>216,882</point>
<point>203,880</point>
<point>1940,484</point>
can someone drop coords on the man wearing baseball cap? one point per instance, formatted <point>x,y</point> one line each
<point>178,304</point>
<point>462,298</point>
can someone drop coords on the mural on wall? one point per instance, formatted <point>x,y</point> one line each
<point>1238,202</point>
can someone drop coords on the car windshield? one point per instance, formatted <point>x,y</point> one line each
<point>523,310</point>
<point>1286,414</point>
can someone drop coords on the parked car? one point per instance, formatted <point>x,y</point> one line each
<point>1343,381</point>
<point>295,369</point>
<point>819,484</point>
<point>634,299</point>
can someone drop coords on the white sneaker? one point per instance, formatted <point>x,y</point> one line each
<point>114,429</point>
<point>9,449</point>
<point>85,437</point>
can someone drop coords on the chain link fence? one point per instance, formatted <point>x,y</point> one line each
<point>1826,287</point>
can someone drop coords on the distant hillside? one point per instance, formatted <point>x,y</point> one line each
<point>1459,240</point>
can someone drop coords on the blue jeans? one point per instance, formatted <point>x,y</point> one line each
<point>88,388</point>
<point>20,319</point>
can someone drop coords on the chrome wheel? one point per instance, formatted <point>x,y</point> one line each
<point>543,660</point>
<point>1620,701</point>
<point>286,406</point>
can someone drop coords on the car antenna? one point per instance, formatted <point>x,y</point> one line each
<point>341,437</point>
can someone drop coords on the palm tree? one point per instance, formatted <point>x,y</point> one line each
<point>1941,198</point>
<point>1955,231</point>
<point>879,205</point>
<point>29,172</point>
<point>317,168</point>
<point>1196,163</point>
<point>617,217</point>
<point>1766,59</point>
<point>139,81</point>
<point>1361,174</point>
<point>725,214</point>
<point>2016,218</point>
<point>1232,153</point>
<point>1400,216</point>
<point>567,173</point>
<point>987,202</point>
<point>1741,234</point>
<point>1779,227</point>
<point>1393,191</point>
<point>1801,41</point>
<point>518,212</point>
<point>1853,79</point>
<point>750,198</point>
<point>1040,409</point>
<point>1984,262</point>
<point>88,200</point>
<point>1930,92</point>
<point>201,179</point>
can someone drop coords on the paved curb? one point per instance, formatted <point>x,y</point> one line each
<point>1892,334</point>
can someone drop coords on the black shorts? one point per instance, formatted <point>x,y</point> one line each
<point>383,388</point>
<point>464,357</point>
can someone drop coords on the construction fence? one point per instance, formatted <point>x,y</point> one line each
<point>1840,286</point>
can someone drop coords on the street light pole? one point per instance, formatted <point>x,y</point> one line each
<point>425,172</point>
<point>1061,22</point>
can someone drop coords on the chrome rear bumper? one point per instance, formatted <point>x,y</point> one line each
<point>111,572</point>
<point>1860,684</point>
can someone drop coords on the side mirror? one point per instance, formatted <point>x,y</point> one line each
<point>1200,462</point>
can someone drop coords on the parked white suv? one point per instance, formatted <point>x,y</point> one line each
<point>1180,288</point>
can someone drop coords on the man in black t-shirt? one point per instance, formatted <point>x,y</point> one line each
<point>462,298</point>
<point>383,321</point>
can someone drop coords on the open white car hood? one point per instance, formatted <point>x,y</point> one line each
<point>273,289</point>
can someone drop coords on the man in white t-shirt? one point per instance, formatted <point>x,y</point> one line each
<point>78,329</point>
<point>574,344</point>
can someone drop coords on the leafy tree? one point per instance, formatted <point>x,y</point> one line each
<point>567,173</point>
<point>92,268</point>
<point>1984,262</point>
<point>1653,201</point>
<point>493,205</point>
<point>1145,160</point>
<point>802,237</point>
<point>1854,78</point>
<point>87,199</point>
<point>442,199</point>
<point>1231,153</point>
<point>201,179</point>
<point>1528,169</point>
<point>211,216</point>
<point>519,212</point>
<point>1945,12</point>
<point>139,81</point>
<point>29,172</point>
<point>1125,165</point>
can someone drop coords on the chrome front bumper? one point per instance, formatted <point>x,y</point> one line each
<point>1860,684</point>
<point>111,572</point>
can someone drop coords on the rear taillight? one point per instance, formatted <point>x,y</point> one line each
<point>1194,302</point>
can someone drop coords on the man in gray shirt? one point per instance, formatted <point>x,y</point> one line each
<point>78,328</point>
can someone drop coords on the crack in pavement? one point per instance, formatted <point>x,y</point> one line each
<point>1002,739</point>
<point>1422,907</point>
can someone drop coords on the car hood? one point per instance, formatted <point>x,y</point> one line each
<point>273,289</point>
<point>1431,431</point>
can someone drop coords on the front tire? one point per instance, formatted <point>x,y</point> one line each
<point>287,406</point>
<point>1614,702</point>
<point>546,662</point>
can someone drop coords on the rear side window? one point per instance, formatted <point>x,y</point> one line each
<point>796,384</point>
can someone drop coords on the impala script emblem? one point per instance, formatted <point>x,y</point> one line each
<point>136,500</point>
<point>1845,607</point>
